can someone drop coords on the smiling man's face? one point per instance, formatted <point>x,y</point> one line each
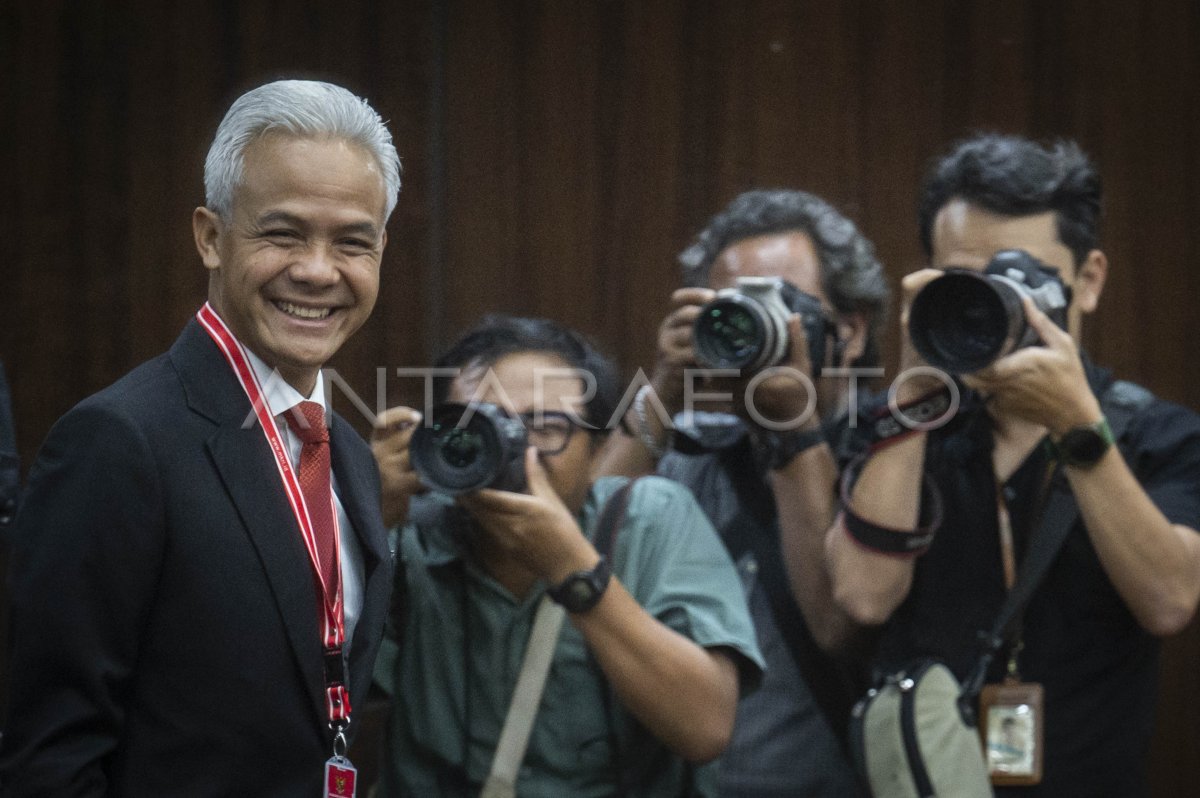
<point>295,271</point>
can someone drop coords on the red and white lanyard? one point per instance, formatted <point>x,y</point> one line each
<point>337,697</point>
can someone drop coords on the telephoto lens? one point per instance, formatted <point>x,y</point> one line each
<point>745,327</point>
<point>966,319</point>
<point>463,448</point>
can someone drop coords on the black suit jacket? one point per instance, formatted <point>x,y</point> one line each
<point>164,613</point>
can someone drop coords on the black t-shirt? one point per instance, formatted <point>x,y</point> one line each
<point>1098,667</point>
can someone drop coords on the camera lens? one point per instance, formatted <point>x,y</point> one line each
<point>460,447</point>
<point>731,333</point>
<point>963,321</point>
<point>463,449</point>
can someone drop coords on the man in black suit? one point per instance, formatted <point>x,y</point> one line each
<point>196,605</point>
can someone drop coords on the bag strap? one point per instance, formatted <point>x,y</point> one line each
<point>539,652</point>
<point>518,723</point>
<point>608,524</point>
<point>612,515</point>
<point>1120,403</point>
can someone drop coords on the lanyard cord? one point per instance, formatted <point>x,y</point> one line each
<point>337,697</point>
<point>1008,556</point>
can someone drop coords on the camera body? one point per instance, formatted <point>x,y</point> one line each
<point>745,327</point>
<point>463,448</point>
<point>966,319</point>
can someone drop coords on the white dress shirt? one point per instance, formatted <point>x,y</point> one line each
<point>281,397</point>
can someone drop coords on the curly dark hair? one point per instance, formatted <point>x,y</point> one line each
<point>1015,176</point>
<point>497,335</point>
<point>851,274</point>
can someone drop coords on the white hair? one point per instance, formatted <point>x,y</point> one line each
<point>305,108</point>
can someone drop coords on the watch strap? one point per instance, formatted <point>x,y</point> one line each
<point>582,590</point>
<point>783,447</point>
<point>1098,434</point>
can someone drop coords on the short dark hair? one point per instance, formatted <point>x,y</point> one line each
<point>497,335</point>
<point>851,274</point>
<point>1015,176</point>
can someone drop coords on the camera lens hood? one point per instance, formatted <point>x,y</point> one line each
<point>964,320</point>
<point>463,448</point>
<point>733,332</point>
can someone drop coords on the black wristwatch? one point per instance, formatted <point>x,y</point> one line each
<point>781,448</point>
<point>1083,447</point>
<point>582,590</point>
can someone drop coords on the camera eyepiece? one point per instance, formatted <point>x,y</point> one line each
<point>463,448</point>
<point>967,319</point>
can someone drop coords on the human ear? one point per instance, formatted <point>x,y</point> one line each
<point>206,231</point>
<point>852,333</point>
<point>1089,281</point>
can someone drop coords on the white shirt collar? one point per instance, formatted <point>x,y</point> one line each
<point>279,395</point>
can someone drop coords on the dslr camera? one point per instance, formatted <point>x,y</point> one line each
<point>965,320</point>
<point>745,327</point>
<point>467,447</point>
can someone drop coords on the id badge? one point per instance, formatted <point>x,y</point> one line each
<point>1010,723</point>
<point>340,777</point>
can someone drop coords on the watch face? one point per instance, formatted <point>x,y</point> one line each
<point>1083,446</point>
<point>578,592</point>
<point>582,590</point>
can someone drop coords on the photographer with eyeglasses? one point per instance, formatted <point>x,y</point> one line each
<point>500,526</point>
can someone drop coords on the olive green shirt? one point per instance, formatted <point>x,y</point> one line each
<point>444,727</point>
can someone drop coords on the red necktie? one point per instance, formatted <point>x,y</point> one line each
<point>307,420</point>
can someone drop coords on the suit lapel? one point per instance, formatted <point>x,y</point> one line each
<point>355,481</point>
<point>247,469</point>
<point>357,487</point>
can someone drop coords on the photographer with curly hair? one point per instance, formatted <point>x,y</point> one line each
<point>758,460</point>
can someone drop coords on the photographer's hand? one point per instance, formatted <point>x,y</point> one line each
<point>534,529</point>
<point>627,452</point>
<point>676,349</point>
<point>788,395</point>
<point>1154,564</point>
<point>917,386</point>
<point>684,694</point>
<point>1045,385</point>
<point>389,443</point>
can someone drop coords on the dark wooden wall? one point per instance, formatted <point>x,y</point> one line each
<point>558,154</point>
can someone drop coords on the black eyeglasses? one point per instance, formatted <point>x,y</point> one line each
<point>548,431</point>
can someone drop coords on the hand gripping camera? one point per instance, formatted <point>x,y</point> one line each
<point>745,327</point>
<point>467,447</point>
<point>966,319</point>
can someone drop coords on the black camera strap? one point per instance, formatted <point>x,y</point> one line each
<point>1120,403</point>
